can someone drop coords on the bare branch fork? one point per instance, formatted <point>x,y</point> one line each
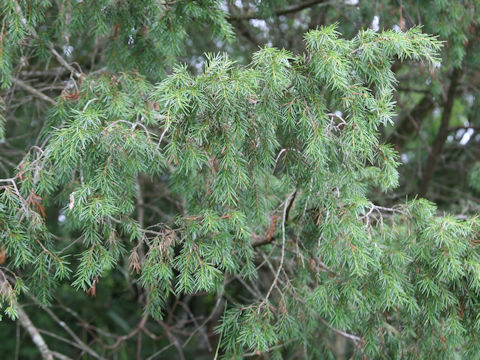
<point>379,209</point>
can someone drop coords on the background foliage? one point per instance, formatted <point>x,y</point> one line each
<point>234,179</point>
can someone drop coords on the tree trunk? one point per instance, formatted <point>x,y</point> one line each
<point>442,134</point>
<point>411,122</point>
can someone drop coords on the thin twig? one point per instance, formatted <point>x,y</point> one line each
<point>78,341</point>
<point>173,340</point>
<point>354,338</point>
<point>34,91</point>
<point>282,258</point>
<point>212,313</point>
<point>159,352</point>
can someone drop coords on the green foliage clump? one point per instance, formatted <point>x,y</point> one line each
<point>266,173</point>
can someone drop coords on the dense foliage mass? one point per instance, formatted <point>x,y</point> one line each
<point>239,194</point>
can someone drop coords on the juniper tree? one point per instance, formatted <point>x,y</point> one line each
<point>231,206</point>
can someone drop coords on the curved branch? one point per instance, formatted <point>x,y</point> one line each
<point>286,11</point>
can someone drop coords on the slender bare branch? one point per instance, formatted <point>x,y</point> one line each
<point>286,207</point>
<point>34,91</point>
<point>74,336</point>
<point>37,339</point>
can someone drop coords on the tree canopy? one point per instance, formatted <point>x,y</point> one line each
<point>232,179</point>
